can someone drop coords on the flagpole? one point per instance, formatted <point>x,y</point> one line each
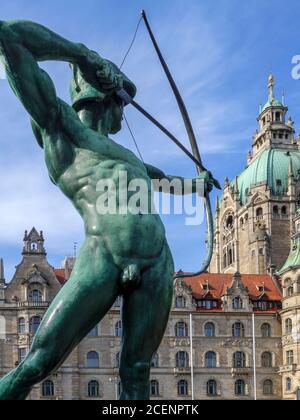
<point>254,356</point>
<point>191,356</point>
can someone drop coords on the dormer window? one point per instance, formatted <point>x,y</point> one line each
<point>180,302</point>
<point>278,182</point>
<point>261,288</point>
<point>205,286</point>
<point>237,303</point>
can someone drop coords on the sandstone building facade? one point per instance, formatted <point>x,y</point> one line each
<point>221,306</point>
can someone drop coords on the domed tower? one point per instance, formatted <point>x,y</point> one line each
<point>254,216</point>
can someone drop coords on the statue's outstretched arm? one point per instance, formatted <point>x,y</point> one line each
<point>190,188</point>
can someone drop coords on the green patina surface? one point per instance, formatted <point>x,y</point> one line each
<point>124,253</point>
<point>272,102</point>
<point>269,167</point>
<point>293,260</point>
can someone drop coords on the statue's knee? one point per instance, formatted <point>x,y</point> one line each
<point>37,365</point>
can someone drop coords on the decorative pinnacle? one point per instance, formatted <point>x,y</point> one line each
<point>271,86</point>
<point>2,279</point>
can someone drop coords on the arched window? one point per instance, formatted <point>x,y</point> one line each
<point>238,330</point>
<point>210,359</point>
<point>47,389</point>
<point>181,329</point>
<point>155,361</point>
<point>209,329</point>
<point>93,389</point>
<point>266,330</point>
<point>239,359</point>
<point>21,325</point>
<point>35,296</point>
<point>288,384</point>
<point>268,387</point>
<point>183,388</point>
<point>117,360</point>
<point>275,210</point>
<point>284,210</point>
<point>34,324</point>
<point>240,387</point>
<point>118,329</point>
<point>237,303</point>
<point>259,213</point>
<point>266,359</point>
<point>180,302</point>
<point>211,388</point>
<point>290,291</point>
<point>92,360</point>
<point>154,388</point>
<point>182,359</point>
<point>93,332</point>
<point>288,326</point>
<point>241,223</point>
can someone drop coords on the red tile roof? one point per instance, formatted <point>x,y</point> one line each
<point>218,284</point>
<point>60,274</point>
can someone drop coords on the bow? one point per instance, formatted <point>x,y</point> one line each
<point>195,155</point>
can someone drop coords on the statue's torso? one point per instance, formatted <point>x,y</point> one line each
<point>77,170</point>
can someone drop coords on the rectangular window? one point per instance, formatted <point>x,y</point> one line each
<point>22,354</point>
<point>290,357</point>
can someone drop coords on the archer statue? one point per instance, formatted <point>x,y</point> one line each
<point>124,255</point>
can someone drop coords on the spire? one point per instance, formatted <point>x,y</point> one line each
<point>2,278</point>
<point>218,203</point>
<point>271,87</point>
<point>283,97</point>
<point>226,182</point>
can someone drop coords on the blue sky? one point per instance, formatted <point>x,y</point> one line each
<point>220,53</point>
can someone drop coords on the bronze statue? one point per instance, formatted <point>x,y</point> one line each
<point>123,254</point>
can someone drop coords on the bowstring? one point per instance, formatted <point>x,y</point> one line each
<point>120,67</point>
<point>132,42</point>
<point>134,139</point>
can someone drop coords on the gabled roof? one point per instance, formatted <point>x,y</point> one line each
<point>219,283</point>
<point>60,275</point>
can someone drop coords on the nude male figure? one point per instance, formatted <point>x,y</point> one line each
<point>123,254</point>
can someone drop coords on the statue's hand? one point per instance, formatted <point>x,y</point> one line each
<point>209,181</point>
<point>100,73</point>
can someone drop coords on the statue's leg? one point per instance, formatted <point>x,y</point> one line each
<point>145,316</point>
<point>76,309</point>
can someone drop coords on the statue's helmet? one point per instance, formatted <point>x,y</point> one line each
<point>82,91</point>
